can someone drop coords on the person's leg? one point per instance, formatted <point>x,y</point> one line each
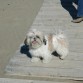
<point>80,8</point>
<point>80,12</point>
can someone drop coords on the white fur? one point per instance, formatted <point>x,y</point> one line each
<point>41,52</point>
<point>46,54</point>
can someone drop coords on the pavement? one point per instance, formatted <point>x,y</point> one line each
<point>52,16</point>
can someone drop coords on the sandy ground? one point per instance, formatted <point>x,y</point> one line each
<point>16,17</point>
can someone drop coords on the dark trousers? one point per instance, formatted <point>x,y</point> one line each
<point>80,8</point>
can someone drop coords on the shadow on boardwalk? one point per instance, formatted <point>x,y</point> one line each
<point>68,5</point>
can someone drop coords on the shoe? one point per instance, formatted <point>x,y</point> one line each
<point>78,20</point>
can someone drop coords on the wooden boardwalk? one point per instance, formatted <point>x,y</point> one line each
<point>53,15</point>
<point>8,80</point>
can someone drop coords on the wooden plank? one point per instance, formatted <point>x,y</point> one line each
<point>46,72</point>
<point>8,80</point>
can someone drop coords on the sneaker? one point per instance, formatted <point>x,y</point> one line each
<point>78,20</point>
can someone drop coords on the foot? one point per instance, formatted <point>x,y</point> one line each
<point>62,58</point>
<point>35,59</point>
<point>78,20</point>
<point>47,59</point>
